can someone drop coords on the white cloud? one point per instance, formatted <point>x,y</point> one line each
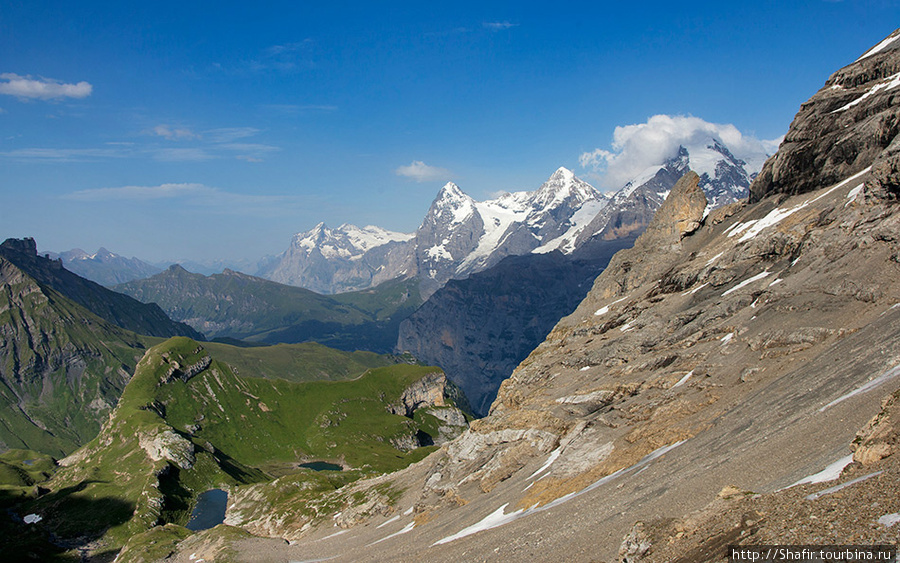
<point>163,191</point>
<point>230,134</point>
<point>209,145</point>
<point>62,155</point>
<point>251,152</point>
<point>499,26</point>
<point>174,134</point>
<point>182,155</point>
<point>297,109</point>
<point>640,146</point>
<point>421,172</point>
<point>772,145</point>
<point>27,87</point>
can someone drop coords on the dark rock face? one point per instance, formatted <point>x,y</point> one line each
<point>885,182</point>
<point>449,232</point>
<point>113,307</point>
<point>841,129</point>
<point>480,328</point>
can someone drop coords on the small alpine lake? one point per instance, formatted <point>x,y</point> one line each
<point>209,511</point>
<point>321,466</point>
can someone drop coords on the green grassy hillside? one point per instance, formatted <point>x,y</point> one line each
<point>62,368</point>
<point>187,422</point>
<point>296,362</point>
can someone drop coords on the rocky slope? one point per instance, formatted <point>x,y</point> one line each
<point>742,349</point>
<point>115,308</point>
<point>849,124</point>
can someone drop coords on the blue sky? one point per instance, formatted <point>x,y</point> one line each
<point>215,130</point>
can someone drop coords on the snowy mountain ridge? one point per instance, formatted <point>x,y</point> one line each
<point>460,236</point>
<point>346,241</point>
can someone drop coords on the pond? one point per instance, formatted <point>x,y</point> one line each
<point>210,510</point>
<point>322,466</point>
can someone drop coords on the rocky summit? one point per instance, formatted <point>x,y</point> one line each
<point>727,380</point>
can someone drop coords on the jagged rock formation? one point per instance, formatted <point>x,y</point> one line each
<point>115,308</point>
<point>431,396</point>
<point>426,392</point>
<point>842,129</point>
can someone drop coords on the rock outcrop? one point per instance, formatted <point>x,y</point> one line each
<point>842,129</point>
<point>168,446</point>
<point>426,392</point>
<point>434,396</point>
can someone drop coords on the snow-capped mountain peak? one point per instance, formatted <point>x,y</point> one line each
<point>451,206</point>
<point>723,177</point>
<point>562,174</point>
<point>369,237</point>
<point>459,236</point>
<point>561,187</point>
<point>347,241</point>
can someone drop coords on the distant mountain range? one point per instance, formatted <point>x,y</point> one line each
<point>479,329</point>
<point>113,307</point>
<point>232,305</point>
<point>460,236</point>
<point>104,267</point>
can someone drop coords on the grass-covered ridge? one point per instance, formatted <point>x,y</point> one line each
<point>307,361</point>
<point>187,422</point>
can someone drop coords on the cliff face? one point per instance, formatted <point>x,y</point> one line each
<point>480,328</point>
